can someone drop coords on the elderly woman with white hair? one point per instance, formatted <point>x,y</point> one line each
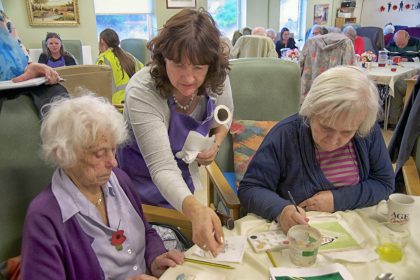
<point>88,222</point>
<point>358,41</point>
<point>330,156</point>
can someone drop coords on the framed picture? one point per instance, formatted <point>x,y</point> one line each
<point>321,13</point>
<point>53,12</point>
<point>179,4</point>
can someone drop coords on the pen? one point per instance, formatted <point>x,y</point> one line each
<point>272,260</point>
<point>209,263</point>
<point>293,201</point>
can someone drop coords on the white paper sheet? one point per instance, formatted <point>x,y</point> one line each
<point>29,83</point>
<point>234,251</point>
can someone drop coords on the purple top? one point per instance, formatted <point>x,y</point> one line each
<point>52,249</point>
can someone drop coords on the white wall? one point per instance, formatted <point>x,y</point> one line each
<point>371,15</point>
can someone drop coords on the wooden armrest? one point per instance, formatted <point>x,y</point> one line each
<point>228,195</point>
<point>168,216</point>
<point>411,177</point>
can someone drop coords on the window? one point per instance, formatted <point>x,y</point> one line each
<point>129,18</point>
<point>292,16</point>
<point>226,13</point>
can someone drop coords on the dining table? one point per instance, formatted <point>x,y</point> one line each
<point>385,76</point>
<point>362,263</point>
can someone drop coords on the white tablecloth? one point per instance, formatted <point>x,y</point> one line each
<point>384,75</point>
<point>363,222</point>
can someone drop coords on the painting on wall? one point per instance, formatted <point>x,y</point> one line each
<point>53,12</point>
<point>321,13</point>
<point>179,4</point>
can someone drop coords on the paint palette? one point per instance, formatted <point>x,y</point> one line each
<point>269,240</point>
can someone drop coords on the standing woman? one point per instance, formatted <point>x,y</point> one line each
<point>177,94</point>
<point>56,56</point>
<point>123,64</point>
<point>285,41</point>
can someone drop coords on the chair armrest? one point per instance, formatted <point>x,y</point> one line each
<point>216,178</point>
<point>168,216</point>
<point>411,177</point>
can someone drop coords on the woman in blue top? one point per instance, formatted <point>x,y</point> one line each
<point>331,156</point>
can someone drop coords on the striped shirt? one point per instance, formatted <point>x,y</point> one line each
<point>340,166</point>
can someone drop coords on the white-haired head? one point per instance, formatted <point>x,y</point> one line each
<point>271,33</point>
<point>350,32</point>
<point>259,31</point>
<point>73,124</point>
<point>343,90</point>
<point>389,29</point>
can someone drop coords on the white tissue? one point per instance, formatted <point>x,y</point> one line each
<point>194,144</point>
<point>222,115</point>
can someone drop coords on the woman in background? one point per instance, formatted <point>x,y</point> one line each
<point>122,63</point>
<point>56,56</point>
<point>285,41</point>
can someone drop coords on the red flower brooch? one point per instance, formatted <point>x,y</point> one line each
<point>118,239</point>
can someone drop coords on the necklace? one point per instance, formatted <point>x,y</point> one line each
<point>184,107</point>
<point>99,199</point>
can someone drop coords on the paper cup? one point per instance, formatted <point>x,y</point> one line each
<point>304,242</point>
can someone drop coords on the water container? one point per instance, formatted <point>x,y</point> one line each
<point>382,58</point>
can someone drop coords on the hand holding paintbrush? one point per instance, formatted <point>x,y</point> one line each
<point>292,215</point>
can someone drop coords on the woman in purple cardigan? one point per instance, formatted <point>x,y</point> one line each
<point>88,223</point>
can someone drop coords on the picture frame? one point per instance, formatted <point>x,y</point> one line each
<point>321,12</point>
<point>53,13</point>
<point>180,4</point>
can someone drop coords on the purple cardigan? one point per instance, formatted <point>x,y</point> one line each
<point>52,249</point>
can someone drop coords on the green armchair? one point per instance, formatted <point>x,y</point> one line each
<point>23,174</point>
<point>138,48</point>
<point>264,89</point>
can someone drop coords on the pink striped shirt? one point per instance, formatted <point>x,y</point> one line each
<point>340,166</point>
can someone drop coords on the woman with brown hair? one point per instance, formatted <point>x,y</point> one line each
<point>56,56</point>
<point>166,101</point>
<point>123,64</point>
<point>285,41</point>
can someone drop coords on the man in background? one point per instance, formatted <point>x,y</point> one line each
<point>405,46</point>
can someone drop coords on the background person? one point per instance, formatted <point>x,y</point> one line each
<point>358,42</point>
<point>15,67</point>
<point>123,64</point>
<point>167,100</point>
<point>271,33</point>
<point>285,41</point>
<point>88,222</point>
<point>407,47</point>
<point>56,56</point>
<point>331,156</point>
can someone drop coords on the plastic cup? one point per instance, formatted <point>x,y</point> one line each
<point>304,242</point>
<point>391,244</point>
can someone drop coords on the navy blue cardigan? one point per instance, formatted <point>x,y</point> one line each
<point>286,161</point>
